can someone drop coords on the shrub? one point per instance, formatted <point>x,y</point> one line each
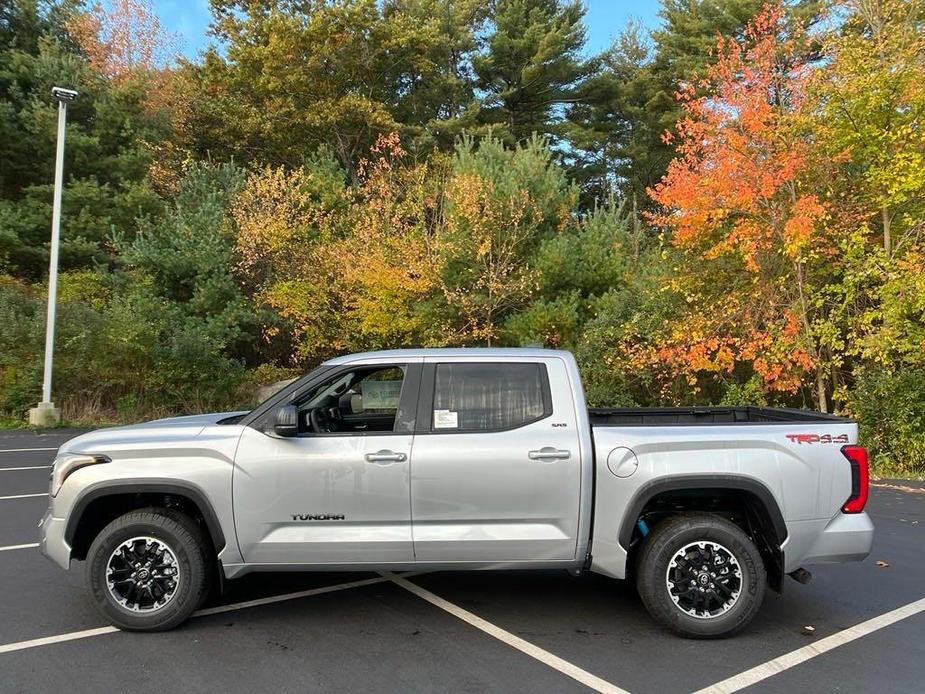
<point>890,407</point>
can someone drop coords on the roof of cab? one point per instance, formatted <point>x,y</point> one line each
<point>480,352</point>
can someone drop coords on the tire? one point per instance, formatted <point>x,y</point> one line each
<point>156,544</point>
<point>733,584</point>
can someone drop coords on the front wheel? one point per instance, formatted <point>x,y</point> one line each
<point>148,570</point>
<point>701,576</point>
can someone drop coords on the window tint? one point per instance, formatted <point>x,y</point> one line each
<point>487,397</point>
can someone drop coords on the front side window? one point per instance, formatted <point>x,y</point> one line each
<point>360,400</point>
<point>489,397</point>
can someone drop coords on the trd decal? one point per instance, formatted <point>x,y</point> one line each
<point>318,516</point>
<point>817,438</point>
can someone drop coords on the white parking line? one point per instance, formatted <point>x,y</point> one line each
<point>801,655</point>
<point>220,609</point>
<point>12,547</point>
<point>31,467</point>
<point>22,496</point>
<point>23,450</point>
<point>544,656</point>
<point>899,488</point>
<point>58,638</point>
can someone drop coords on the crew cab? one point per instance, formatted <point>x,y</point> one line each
<point>460,459</point>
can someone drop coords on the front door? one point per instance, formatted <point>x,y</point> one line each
<point>339,491</point>
<point>496,475</point>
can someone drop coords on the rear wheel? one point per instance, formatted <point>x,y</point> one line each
<point>701,576</point>
<point>148,570</point>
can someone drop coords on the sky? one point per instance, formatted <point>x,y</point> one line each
<point>605,18</point>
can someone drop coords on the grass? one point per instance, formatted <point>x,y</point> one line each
<point>884,467</point>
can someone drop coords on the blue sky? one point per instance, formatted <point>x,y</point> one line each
<point>605,19</point>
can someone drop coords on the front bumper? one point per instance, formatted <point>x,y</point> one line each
<point>52,543</point>
<point>847,537</point>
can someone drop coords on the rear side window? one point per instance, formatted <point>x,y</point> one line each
<point>489,397</point>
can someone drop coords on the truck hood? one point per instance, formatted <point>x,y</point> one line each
<point>169,430</point>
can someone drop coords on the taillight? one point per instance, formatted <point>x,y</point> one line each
<point>860,478</point>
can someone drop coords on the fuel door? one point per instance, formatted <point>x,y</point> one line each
<point>622,462</point>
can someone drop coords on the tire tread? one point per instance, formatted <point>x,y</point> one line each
<point>187,534</point>
<point>656,551</point>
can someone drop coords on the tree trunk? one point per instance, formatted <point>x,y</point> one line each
<point>821,401</point>
<point>886,218</point>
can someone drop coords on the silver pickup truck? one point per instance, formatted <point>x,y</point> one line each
<point>460,459</point>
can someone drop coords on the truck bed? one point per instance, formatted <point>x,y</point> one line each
<point>665,416</point>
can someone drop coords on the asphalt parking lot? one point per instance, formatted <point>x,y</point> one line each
<point>496,631</point>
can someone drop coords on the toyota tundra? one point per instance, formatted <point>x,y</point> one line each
<point>438,459</point>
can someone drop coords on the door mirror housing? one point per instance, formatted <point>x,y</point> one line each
<point>286,422</point>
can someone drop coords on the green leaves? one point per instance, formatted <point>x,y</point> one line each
<point>531,65</point>
<point>354,174</point>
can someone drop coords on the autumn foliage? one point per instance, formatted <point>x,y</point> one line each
<point>123,38</point>
<point>729,209</point>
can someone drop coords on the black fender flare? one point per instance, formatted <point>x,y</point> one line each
<point>145,486</point>
<point>676,483</point>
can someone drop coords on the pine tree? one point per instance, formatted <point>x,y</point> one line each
<point>531,66</point>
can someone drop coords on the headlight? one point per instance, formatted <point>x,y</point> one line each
<point>64,465</point>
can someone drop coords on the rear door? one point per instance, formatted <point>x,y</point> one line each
<point>496,473</point>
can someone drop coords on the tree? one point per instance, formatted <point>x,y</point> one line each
<point>339,73</point>
<point>629,103</point>
<point>684,45</point>
<point>124,38</point>
<point>531,65</point>
<point>432,79</point>
<point>415,253</point>
<point>286,222</point>
<point>388,265</point>
<point>575,269</point>
<point>187,258</point>
<point>501,204</point>
<point>615,119</point>
<point>734,204</point>
<point>865,117</point>
<point>870,106</point>
<point>293,76</point>
<point>106,159</point>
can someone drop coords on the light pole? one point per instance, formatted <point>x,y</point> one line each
<point>46,414</point>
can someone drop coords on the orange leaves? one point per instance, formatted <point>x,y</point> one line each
<point>733,202</point>
<point>126,37</point>
<point>709,345</point>
<point>126,44</point>
<point>732,188</point>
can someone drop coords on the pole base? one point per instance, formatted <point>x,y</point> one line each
<point>45,415</point>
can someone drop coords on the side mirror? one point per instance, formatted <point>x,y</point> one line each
<point>287,421</point>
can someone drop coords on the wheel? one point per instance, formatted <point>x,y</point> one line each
<point>148,570</point>
<point>701,576</point>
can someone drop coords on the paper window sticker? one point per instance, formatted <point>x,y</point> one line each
<point>446,419</point>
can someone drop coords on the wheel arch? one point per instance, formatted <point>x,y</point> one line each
<point>762,513</point>
<point>101,503</point>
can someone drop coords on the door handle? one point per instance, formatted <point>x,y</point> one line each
<point>549,453</point>
<point>386,456</point>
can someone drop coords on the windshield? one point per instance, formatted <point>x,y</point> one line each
<point>268,392</point>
